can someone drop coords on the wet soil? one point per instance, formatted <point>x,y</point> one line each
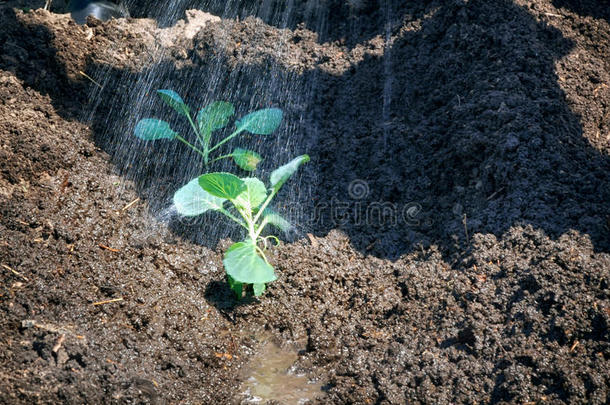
<point>456,245</point>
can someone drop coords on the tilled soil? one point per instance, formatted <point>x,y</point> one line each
<point>478,131</point>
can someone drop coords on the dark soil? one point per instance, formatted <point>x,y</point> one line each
<point>457,205</point>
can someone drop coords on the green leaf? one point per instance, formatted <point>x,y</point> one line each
<point>214,116</point>
<point>236,286</point>
<point>243,263</point>
<point>259,289</point>
<point>246,159</point>
<point>283,173</point>
<point>174,100</point>
<point>275,219</point>
<point>151,129</point>
<point>191,200</point>
<point>253,196</point>
<point>261,122</point>
<point>223,185</point>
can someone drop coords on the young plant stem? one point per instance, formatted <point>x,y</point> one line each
<point>260,251</point>
<point>252,234</point>
<point>232,217</point>
<point>275,239</point>
<point>227,139</point>
<point>193,147</point>
<point>265,204</point>
<point>251,226</point>
<point>221,157</point>
<point>261,227</point>
<point>197,134</point>
<point>207,136</point>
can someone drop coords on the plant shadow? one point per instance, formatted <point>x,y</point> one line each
<point>460,128</point>
<point>218,294</point>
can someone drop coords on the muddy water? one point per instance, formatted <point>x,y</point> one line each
<point>272,376</point>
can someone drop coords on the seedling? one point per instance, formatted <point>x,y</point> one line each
<point>246,202</point>
<point>209,119</point>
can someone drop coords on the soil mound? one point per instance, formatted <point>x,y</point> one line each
<point>456,206</point>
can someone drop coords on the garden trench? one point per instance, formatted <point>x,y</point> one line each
<point>479,133</point>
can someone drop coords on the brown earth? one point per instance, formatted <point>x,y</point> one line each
<point>492,133</point>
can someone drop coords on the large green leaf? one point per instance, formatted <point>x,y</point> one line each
<point>261,122</point>
<point>223,185</point>
<point>283,173</point>
<point>275,219</point>
<point>253,196</point>
<point>151,129</point>
<point>214,116</point>
<point>191,200</point>
<point>174,100</point>
<point>246,159</point>
<point>243,263</point>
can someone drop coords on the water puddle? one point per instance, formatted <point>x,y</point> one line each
<point>271,376</point>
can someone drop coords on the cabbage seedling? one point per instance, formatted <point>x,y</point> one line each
<point>246,202</point>
<point>209,119</point>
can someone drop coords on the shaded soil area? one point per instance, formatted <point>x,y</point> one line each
<point>454,243</point>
